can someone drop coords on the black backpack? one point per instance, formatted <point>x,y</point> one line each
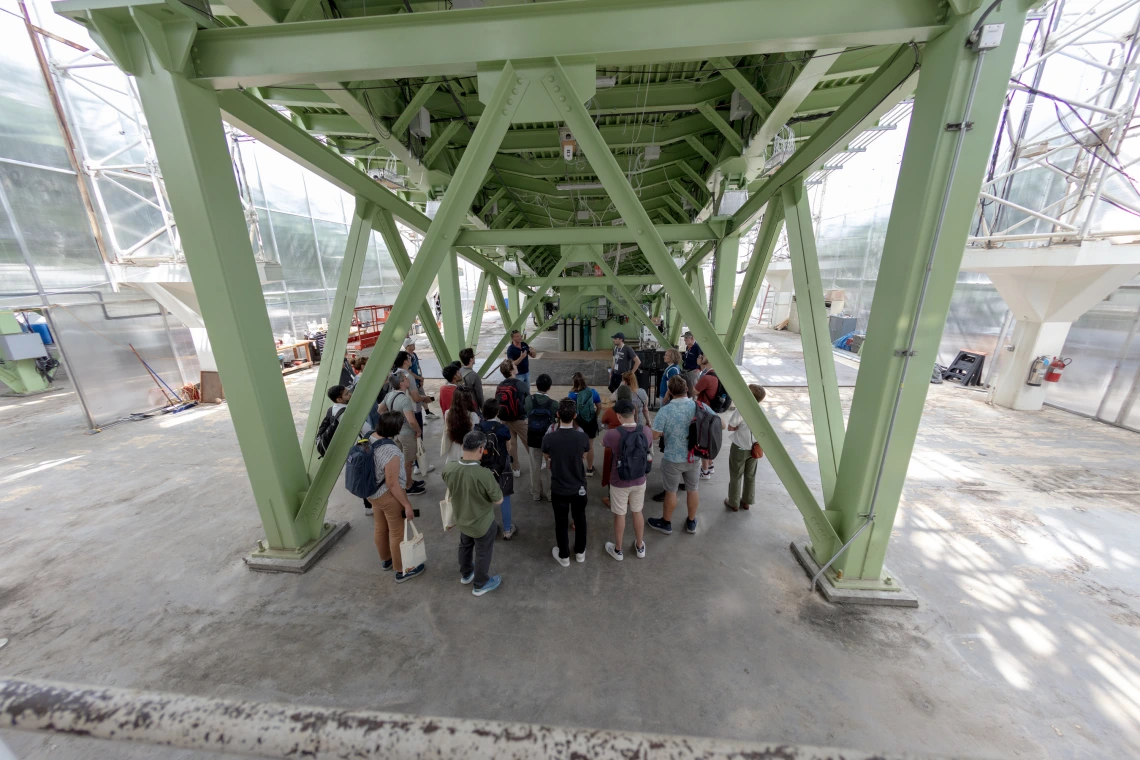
<point>495,456</point>
<point>510,401</point>
<point>633,453</point>
<point>327,430</point>
<point>721,401</point>
<point>704,434</point>
<point>540,419</point>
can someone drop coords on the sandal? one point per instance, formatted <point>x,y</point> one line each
<point>729,506</point>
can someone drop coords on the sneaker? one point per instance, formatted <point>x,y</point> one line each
<point>509,534</point>
<point>659,496</point>
<point>417,570</point>
<point>430,415</point>
<point>613,551</point>
<point>492,583</point>
<point>417,489</point>
<point>418,483</point>
<point>368,511</point>
<point>416,469</point>
<point>580,557</point>
<point>517,473</point>
<point>706,474</point>
<point>690,525</point>
<point>537,498</point>
<point>590,472</point>
<point>386,565</point>
<point>712,467</point>
<point>558,558</point>
<point>466,579</point>
<point>658,524</point>
<point>640,550</point>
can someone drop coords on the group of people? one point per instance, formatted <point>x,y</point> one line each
<point>483,433</point>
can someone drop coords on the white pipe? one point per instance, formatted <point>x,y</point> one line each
<point>1029,211</point>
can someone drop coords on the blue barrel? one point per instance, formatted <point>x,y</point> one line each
<point>45,333</point>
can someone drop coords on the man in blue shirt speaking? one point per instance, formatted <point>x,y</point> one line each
<point>519,354</point>
<point>689,359</point>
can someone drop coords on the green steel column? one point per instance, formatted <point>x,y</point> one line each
<point>754,276</point>
<point>451,303</point>
<point>726,259</point>
<point>934,202</point>
<point>513,303</point>
<point>186,125</point>
<point>336,341</point>
<point>700,290</point>
<point>468,178</point>
<point>519,322</point>
<point>594,146</point>
<point>500,303</point>
<point>674,322</point>
<point>631,300</point>
<point>477,309</point>
<point>819,362</point>
<point>385,224</point>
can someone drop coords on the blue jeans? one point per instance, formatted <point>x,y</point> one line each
<point>526,379</point>
<point>506,507</point>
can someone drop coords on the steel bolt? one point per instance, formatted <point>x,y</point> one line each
<point>889,581</point>
<point>550,79</point>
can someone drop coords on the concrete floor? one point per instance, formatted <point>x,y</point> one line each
<point>121,563</point>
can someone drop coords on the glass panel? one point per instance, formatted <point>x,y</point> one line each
<point>297,251</point>
<point>328,201</point>
<point>15,278</point>
<point>29,130</point>
<point>331,239</point>
<point>281,182</point>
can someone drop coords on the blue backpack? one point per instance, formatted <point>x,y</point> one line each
<point>360,469</point>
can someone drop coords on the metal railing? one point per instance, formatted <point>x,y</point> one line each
<point>261,729</point>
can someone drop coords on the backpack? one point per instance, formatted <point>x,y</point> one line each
<point>327,430</point>
<point>510,402</point>
<point>704,434</point>
<point>540,419</point>
<point>584,405</point>
<point>633,453</point>
<point>721,401</point>
<point>495,453</point>
<point>465,374</point>
<point>360,469</point>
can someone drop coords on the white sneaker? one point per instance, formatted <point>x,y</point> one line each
<point>558,559</point>
<point>613,551</point>
<point>368,511</point>
<point>640,550</point>
<point>580,557</point>
<point>517,473</point>
<point>706,474</point>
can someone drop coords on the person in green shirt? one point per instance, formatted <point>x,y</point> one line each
<point>474,494</point>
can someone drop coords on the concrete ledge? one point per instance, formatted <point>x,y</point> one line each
<point>267,563</point>
<point>900,598</point>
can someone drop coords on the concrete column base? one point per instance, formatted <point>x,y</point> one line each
<point>886,593</point>
<point>299,560</point>
<point>1030,340</point>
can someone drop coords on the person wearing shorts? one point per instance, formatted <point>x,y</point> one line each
<point>626,495</point>
<point>672,424</point>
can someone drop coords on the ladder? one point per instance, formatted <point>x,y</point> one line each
<point>765,307</point>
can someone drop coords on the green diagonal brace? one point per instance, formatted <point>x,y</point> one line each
<point>451,303</point>
<point>519,319</point>
<point>427,89</point>
<point>477,309</point>
<point>441,141</point>
<point>694,175</point>
<point>684,193</point>
<point>741,83</point>
<point>725,128</point>
<point>754,275</point>
<point>580,122</point>
<point>495,196</point>
<point>630,299</point>
<point>336,341</point>
<point>468,178</point>
<point>819,362</point>
<point>696,144</point>
<point>385,224</point>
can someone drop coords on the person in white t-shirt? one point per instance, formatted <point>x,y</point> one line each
<point>741,464</point>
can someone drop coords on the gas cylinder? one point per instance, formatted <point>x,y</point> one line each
<point>1037,370</point>
<point>1056,367</point>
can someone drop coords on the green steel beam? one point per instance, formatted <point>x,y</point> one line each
<point>578,281</point>
<point>500,301</point>
<point>698,257</point>
<point>440,142</point>
<point>631,300</point>
<point>700,148</point>
<point>385,224</point>
<point>887,84</point>
<point>700,291</point>
<point>186,125</point>
<point>682,191</point>
<point>667,215</point>
<point>766,241</point>
<point>518,320</point>
<point>721,124</point>
<point>743,86</point>
<point>934,202</point>
<point>674,317</point>
<point>581,123</point>
<point>495,197</point>
<point>300,10</point>
<point>512,164</point>
<point>516,221</point>
<point>451,303</point>
<point>580,235</point>
<point>513,302</point>
<point>255,11</point>
<point>340,320</point>
<point>400,125</point>
<point>468,178</point>
<point>613,32</point>
<point>259,120</point>
<point>819,362</point>
<point>694,175</point>
<point>477,308</point>
<point>616,135</point>
<point>726,259</point>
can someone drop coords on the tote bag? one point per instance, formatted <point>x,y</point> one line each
<point>413,553</point>
<point>447,512</point>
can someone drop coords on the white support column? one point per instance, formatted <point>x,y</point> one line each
<point>1030,340</point>
<point>779,277</point>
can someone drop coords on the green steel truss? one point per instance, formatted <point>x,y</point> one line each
<point>645,91</point>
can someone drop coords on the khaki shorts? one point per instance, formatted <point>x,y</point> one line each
<point>672,473</point>
<point>630,499</point>
<point>407,444</point>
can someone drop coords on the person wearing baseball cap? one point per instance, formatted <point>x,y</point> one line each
<point>625,360</point>
<point>632,458</point>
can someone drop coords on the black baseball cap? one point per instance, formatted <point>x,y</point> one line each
<point>623,406</point>
<point>618,335</point>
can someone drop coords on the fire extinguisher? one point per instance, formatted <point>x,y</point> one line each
<point>1056,367</point>
<point>1037,370</point>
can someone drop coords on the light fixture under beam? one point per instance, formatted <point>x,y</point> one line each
<point>579,186</point>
